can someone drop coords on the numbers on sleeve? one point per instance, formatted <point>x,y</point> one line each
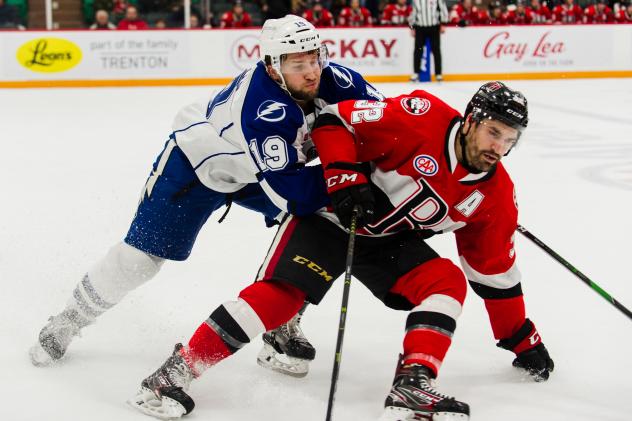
<point>369,111</point>
<point>275,155</point>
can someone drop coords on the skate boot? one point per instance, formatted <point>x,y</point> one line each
<point>413,397</point>
<point>55,337</point>
<point>163,394</point>
<point>287,340</point>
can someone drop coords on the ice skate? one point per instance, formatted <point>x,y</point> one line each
<point>413,397</point>
<point>55,337</point>
<point>287,340</point>
<point>163,394</point>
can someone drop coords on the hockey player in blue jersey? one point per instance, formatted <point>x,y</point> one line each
<point>247,145</point>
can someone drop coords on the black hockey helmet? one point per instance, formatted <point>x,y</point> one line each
<point>496,101</point>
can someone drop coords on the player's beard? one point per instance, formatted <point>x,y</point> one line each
<point>481,160</point>
<point>304,94</point>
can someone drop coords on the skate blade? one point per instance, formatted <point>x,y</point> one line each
<point>393,413</point>
<point>39,356</point>
<point>450,416</point>
<point>163,408</point>
<point>295,367</point>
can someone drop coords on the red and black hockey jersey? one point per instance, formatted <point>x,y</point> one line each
<point>419,184</point>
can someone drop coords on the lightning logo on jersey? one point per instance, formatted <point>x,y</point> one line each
<point>271,111</point>
<point>342,77</point>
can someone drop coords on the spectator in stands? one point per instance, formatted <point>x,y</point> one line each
<point>101,20</point>
<point>396,14</point>
<point>132,21</point>
<point>598,13</point>
<point>237,17</point>
<point>195,22</point>
<point>496,14</point>
<point>336,6</point>
<point>119,7</point>
<point>160,23</point>
<point>9,18</point>
<point>568,12</point>
<point>274,9</point>
<point>319,16</point>
<point>521,15</point>
<point>466,14</point>
<point>540,13</point>
<point>175,19</point>
<point>355,15</point>
<point>625,14</point>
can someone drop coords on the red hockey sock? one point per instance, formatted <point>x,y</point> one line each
<point>506,315</point>
<point>206,348</point>
<point>427,347</point>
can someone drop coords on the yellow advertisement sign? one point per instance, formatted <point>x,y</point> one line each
<point>49,55</point>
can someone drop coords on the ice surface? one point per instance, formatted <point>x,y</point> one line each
<point>73,163</point>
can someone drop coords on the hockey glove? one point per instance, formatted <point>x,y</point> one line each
<point>531,354</point>
<point>348,187</point>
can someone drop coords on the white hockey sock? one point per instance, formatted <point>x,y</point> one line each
<point>123,269</point>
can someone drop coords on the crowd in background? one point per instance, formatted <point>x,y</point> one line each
<point>159,14</point>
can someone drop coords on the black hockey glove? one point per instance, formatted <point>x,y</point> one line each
<point>348,187</point>
<point>531,354</point>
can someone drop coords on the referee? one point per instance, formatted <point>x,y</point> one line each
<point>426,20</point>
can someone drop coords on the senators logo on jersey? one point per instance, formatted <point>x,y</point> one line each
<point>415,106</point>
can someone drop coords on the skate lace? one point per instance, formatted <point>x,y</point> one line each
<point>178,372</point>
<point>428,385</point>
<point>293,329</point>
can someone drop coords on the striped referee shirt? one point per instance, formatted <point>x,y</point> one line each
<point>428,13</point>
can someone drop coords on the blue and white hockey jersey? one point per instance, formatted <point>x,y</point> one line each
<point>252,131</point>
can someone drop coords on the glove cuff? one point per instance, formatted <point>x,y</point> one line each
<point>342,176</point>
<point>525,338</point>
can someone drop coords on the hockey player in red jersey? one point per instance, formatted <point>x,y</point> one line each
<point>411,167</point>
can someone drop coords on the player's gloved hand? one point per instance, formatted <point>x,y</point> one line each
<point>348,187</point>
<point>531,354</point>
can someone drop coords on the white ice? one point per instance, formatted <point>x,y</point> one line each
<point>73,162</point>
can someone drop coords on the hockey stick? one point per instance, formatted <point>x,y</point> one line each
<point>343,312</point>
<point>575,271</point>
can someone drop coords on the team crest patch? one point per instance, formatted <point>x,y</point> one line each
<point>342,77</point>
<point>271,111</point>
<point>426,165</point>
<point>415,106</point>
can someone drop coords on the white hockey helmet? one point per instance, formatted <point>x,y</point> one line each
<point>287,35</point>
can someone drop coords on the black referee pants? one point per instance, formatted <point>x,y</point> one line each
<point>421,34</point>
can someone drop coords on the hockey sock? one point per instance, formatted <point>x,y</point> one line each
<point>123,269</point>
<point>438,288</point>
<point>505,308</point>
<point>261,306</point>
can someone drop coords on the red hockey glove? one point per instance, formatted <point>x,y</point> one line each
<point>531,354</point>
<point>348,187</point>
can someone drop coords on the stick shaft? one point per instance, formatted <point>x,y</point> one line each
<point>343,315</point>
<point>575,271</point>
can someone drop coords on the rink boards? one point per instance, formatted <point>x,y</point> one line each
<point>200,57</point>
